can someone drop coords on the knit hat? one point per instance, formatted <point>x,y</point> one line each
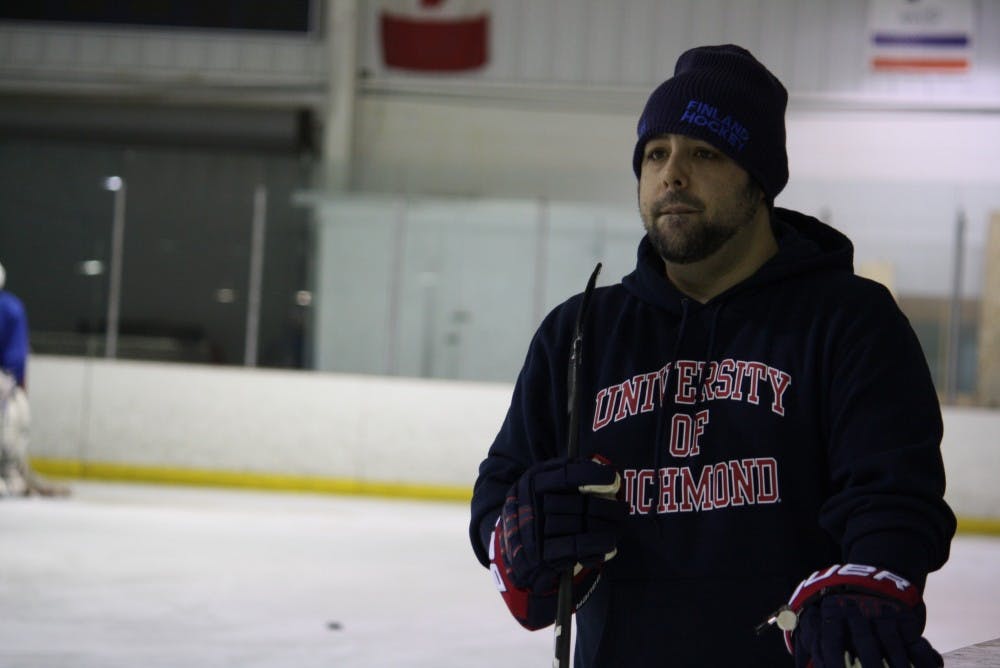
<point>726,97</point>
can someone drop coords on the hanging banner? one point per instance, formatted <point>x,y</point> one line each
<point>921,35</point>
<point>435,35</point>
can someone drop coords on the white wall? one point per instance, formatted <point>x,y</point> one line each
<point>416,144</point>
<point>356,427</point>
<point>894,181</point>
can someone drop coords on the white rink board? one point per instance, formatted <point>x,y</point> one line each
<point>982,655</point>
<point>365,428</point>
<point>262,421</point>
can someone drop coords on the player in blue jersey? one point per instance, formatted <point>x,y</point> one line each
<point>13,399</point>
<point>16,475</point>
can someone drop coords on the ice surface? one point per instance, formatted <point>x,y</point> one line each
<point>132,575</point>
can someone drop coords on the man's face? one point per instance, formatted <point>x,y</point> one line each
<point>693,198</point>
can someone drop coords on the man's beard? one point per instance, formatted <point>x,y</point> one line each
<point>696,239</point>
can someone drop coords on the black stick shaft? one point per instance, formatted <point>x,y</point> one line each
<point>564,600</point>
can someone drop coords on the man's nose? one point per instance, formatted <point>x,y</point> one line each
<point>675,173</point>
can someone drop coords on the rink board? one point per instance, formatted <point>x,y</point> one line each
<point>983,655</point>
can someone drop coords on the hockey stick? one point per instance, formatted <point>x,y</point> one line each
<point>564,600</point>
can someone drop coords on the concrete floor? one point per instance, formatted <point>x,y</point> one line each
<point>130,575</point>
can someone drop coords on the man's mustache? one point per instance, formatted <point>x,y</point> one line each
<point>674,200</point>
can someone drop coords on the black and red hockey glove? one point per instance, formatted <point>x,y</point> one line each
<point>561,514</point>
<point>856,615</point>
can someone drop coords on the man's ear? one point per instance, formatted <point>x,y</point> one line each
<point>761,196</point>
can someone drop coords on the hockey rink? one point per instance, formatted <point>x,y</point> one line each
<point>122,575</point>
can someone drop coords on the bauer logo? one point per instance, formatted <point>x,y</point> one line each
<point>725,126</point>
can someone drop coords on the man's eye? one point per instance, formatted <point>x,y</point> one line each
<point>656,154</point>
<point>705,153</point>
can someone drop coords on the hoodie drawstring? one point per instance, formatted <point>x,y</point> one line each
<point>665,384</point>
<point>662,420</point>
<point>708,352</point>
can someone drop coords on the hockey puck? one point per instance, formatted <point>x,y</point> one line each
<point>334,626</point>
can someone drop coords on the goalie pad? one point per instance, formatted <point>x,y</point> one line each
<point>15,419</point>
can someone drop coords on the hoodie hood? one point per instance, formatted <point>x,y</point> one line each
<point>805,245</point>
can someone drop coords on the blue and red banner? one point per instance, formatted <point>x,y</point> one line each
<point>921,35</point>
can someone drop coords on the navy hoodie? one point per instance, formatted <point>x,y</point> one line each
<point>787,424</point>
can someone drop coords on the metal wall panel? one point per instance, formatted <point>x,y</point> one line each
<point>818,48</point>
<point>65,58</point>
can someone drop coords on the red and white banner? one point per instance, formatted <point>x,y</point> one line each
<point>435,35</point>
<point>921,35</point>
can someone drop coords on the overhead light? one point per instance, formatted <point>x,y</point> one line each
<point>303,298</point>
<point>91,267</point>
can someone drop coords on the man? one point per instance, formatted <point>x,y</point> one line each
<point>758,424</point>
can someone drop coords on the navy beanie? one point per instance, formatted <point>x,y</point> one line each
<point>726,97</point>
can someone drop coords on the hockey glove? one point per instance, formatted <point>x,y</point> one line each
<point>561,514</point>
<point>851,614</point>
